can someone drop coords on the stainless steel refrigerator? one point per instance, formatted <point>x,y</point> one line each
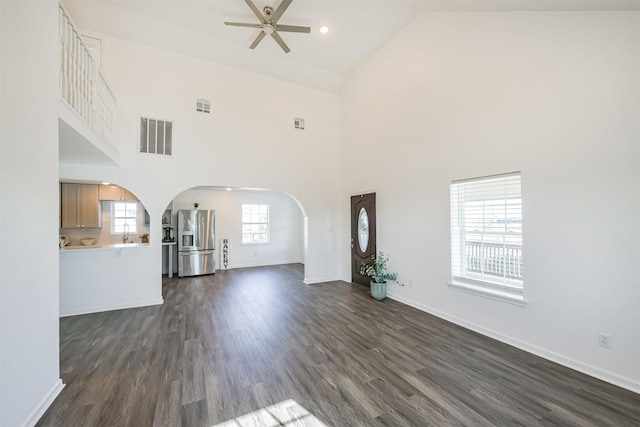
<point>196,242</point>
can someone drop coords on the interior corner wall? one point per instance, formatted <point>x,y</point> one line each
<point>29,359</point>
<point>554,95</point>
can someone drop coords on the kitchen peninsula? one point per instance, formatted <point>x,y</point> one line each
<point>109,277</point>
<point>103,226</point>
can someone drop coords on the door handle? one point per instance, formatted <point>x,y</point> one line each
<point>351,243</point>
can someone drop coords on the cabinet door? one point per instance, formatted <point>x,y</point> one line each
<point>128,195</point>
<point>68,204</point>
<point>88,205</point>
<point>110,192</point>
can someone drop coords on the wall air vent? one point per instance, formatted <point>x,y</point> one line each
<point>298,123</point>
<point>156,136</point>
<point>203,106</point>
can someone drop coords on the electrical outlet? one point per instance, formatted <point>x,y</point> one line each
<point>604,340</point>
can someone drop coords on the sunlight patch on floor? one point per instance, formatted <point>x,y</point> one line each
<point>288,413</point>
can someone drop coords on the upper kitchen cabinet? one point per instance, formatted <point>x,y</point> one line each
<point>113,192</point>
<point>79,205</point>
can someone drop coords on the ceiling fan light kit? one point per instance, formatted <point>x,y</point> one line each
<point>269,24</point>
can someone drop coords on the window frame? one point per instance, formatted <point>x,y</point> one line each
<point>132,231</point>
<point>506,254</point>
<point>252,223</point>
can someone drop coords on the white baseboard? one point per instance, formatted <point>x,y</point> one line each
<point>258,264</point>
<point>312,281</point>
<point>569,362</point>
<point>88,310</point>
<point>44,404</point>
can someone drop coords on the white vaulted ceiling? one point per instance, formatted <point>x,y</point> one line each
<point>323,61</point>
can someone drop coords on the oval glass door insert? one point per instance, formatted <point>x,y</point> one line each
<point>363,230</point>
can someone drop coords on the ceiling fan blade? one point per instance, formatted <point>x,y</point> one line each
<point>277,14</point>
<point>241,24</point>
<point>255,10</point>
<point>294,29</point>
<point>281,42</point>
<point>257,40</point>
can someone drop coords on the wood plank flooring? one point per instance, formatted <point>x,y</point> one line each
<point>227,345</point>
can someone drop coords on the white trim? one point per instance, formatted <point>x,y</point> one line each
<point>569,362</point>
<point>313,281</point>
<point>258,264</point>
<point>495,294</point>
<point>44,404</point>
<point>89,310</point>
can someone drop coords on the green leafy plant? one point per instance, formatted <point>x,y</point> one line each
<point>378,269</point>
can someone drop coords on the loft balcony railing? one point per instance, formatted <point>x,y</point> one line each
<point>82,87</point>
<point>494,259</point>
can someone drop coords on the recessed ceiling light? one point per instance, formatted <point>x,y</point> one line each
<point>324,29</point>
<point>228,189</point>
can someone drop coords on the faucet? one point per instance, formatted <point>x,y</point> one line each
<point>125,233</point>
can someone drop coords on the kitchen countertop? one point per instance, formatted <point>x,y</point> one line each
<point>75,248</point>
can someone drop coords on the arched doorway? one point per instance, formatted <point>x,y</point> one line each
<point>253,227</point>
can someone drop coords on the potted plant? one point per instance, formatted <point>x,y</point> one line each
<point>379,275</point>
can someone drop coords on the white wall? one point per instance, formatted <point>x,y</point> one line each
<point>103,279</point>
<point>285,225</point>
<point>29,358</point>
<point>553,95</point>
<point>248,141</point>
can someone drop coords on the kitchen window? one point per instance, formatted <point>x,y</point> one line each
<point>255,224</point>
<point>124,213</point>
<point>486,236</point>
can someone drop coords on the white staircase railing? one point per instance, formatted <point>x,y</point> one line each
<point>82,86</point>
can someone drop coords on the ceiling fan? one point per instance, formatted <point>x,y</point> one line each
<point>269,24</point>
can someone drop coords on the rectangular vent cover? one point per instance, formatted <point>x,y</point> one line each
<point>298,123</point>
<point>203,106</point>
<point>156,136</point>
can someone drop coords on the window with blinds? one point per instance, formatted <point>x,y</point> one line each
<point>486,233</point>
<point>255,224</point>
<point>124,214</point>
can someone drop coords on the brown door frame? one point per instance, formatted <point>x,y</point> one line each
<point>358,257</point>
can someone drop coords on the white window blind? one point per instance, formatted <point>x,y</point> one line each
<point>486,232</point>
<point>255,223</point>
<point>124,213</point>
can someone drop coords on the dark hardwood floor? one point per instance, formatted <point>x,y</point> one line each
<point>227,345</point>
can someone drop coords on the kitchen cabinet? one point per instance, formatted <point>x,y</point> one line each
<point>114,192</point>
<point>79,206</point>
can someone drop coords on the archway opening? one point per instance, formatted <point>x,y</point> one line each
<point>252,227</point>
<point>99,214</point>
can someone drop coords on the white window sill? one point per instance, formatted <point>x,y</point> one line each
<point>495,294</point>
